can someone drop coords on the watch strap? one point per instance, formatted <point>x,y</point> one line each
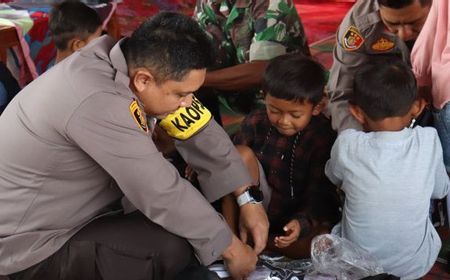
<point>244,198</point>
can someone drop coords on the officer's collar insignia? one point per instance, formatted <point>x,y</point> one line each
<point>352,39</point>
<point>138,116</point>
<point>186,121</point>
<point>382,45</point>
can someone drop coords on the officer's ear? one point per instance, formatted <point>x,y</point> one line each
<point>141,80</point>
<point>358,113</point>
<point>76,44</point>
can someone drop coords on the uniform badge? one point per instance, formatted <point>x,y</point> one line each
<point>186,121</point>
<point>352,39</point>
<point>138,116</point>
<point>382,45</point>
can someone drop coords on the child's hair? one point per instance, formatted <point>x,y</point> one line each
<point>72,19</point>
<point>384,88</point>
<point>294,77</point>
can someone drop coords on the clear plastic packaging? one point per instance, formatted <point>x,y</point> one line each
<point>341,258</point>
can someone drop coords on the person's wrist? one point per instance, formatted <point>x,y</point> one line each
<point>240,190</point>
<point>251,195</point>
<point>229,251</point>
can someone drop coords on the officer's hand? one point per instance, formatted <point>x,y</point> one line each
<point>253,220</point>
<point>240,259</point>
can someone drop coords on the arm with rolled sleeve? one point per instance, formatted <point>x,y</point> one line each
<point>103,127</point>
<point>278,30</point>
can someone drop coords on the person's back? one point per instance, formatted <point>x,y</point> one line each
<point>51,160</point>
<point>387,205</point>
<point>73,25</point>
<point>390,173</point>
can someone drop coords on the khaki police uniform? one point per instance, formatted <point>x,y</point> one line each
<point>362,35</point>
<point>76,140</point>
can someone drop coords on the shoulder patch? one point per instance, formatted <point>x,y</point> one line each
<point>383,45</point>
<point>138,116</point>
<point>352,39</point>
<point>186,121</point>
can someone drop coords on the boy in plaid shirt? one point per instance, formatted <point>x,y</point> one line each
<point>285,147</point>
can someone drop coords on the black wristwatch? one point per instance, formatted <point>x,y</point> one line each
<point>252,195</point>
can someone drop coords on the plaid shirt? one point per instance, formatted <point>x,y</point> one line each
<point>275,152</point>
<point>246,30</point>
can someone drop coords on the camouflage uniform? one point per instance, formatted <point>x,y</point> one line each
<point>362,35</point>
<point>248,30</point>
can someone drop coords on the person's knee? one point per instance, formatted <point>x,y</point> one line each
<point>250,160</point>
<point>175,256</point>
<point>245,152</point>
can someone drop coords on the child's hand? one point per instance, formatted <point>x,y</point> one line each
<point>292,232</point>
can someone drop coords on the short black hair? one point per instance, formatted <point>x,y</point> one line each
<point>295,77</point>
<point>169,45</point>
<point>72,19</point>
<point>399,4</point>
<point>384,89</point>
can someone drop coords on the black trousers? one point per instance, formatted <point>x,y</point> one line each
<point>122,247</point>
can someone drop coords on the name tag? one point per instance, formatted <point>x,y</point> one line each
<point>186,121</point>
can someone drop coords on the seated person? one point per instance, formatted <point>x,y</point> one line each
<point>78,142</point>
<point>390,172</point>
<point>372,29</point>
<point>246,35</point>
<point>430,59</point>
<point>285,147</point>
<point>73,25</point>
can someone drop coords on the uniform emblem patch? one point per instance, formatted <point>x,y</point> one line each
<point>138,116</point>
<point>186,121</point>
<point>382,45</point>
<point>352,39</point>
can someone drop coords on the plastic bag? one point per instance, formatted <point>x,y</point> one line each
<point>345,260</point>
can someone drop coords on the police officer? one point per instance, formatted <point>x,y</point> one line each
<point>76,140</point>
<point>371,29</point>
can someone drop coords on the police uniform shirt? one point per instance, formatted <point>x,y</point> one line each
<point>75,140</point>
<point>361,35</point>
